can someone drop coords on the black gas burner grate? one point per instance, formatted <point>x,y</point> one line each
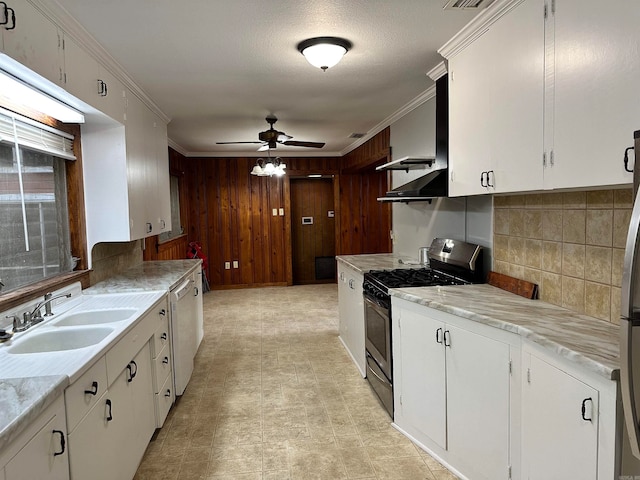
<point>401,278</point>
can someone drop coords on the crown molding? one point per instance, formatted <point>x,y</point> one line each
<point>71,27</point>
<point>438,71</point>
<point>477,27</point>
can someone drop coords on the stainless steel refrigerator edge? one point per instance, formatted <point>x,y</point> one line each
<point>629,437</point>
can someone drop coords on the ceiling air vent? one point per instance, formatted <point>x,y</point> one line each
<point>467,4</point>
<point>357,135</point>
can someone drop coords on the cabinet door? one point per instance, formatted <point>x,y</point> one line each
<point>34,41</point>
<point>514,121</point>
<point>93,444</point>
<point>111,101</point>
<point>597,106</point>
<point>162,178</point>
<point>356,321</point>
<point>343,302</point>
<point>470,110</point>
<point>558,443</point>
<point>137,168</point>
<point>496,98</point>
<point>141,398</point>
<point>422,389</point>
<point>38,459</point>
<point>478,401</point>
<point>81,72</point>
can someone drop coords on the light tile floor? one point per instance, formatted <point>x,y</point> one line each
<point>274,395</point>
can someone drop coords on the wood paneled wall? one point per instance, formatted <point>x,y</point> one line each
<point>365,223</point>
<point>230,212</point>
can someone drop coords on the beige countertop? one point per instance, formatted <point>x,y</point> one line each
<point>156,275</point>
<point>378,261</point>
<point>588,341</point>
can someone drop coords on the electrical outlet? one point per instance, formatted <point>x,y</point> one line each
<point>282,212</point>
<point>227,265</point>
<point>275,212</point>
<point>235,264</point>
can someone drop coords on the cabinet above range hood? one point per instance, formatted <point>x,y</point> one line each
<point>435,182</point>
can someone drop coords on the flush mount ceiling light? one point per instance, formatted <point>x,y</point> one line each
<point>324,52</point>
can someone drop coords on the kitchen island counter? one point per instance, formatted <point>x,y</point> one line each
<point>588,341</point>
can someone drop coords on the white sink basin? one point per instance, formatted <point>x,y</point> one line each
<point>95,317</point>
<point>60,340</point>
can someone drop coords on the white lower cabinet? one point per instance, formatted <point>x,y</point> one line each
<point>492,405</point>
<point>351,312</point>
<point>560,424</point>
<point>112,408</point>
<point>41,449</point>
<point>452,390</point>
<point>110,441</point>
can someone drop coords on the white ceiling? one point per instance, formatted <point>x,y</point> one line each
<point>217,68</point>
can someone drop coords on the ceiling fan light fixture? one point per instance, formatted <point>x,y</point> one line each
<point>257,170</point>
<point>324,52</point>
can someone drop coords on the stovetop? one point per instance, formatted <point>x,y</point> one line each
<point>383,280</point>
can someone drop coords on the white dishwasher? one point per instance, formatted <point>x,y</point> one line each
<point>184,332</point>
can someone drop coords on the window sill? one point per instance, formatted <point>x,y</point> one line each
<point>36,290</point>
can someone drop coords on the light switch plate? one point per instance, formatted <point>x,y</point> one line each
<point>227,265</point>
<point>282,212</point>
<point>235,264</point>
<point>275,212</point>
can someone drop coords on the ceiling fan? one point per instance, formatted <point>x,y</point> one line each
<point>269,139</point>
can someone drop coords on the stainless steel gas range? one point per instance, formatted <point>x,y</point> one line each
<point>451,262</point>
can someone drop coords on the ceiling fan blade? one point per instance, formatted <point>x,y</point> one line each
<point>295,143</point>
<point>232,143</point>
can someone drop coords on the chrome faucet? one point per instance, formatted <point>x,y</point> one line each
<point>35,316</point>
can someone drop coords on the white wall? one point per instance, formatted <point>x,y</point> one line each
<point>416,224</point>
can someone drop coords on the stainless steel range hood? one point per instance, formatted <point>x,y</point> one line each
<point>435,182</point>
<point>432,185</point>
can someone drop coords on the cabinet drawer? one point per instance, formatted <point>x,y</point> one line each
<point>161,337</point>
<point>164,399</point>
<point>162,368</point>
<point>79,398</point>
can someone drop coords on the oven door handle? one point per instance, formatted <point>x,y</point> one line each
<point>383,380</point>
<point>377,306</point>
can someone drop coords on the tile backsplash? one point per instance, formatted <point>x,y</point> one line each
<point>571,244</point>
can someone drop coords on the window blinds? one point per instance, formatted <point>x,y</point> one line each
<point>35,136</point>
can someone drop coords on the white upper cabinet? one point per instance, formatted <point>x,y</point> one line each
<point>33,40</point>
<point>596,106</point>
<point>542,96</point>
<point>81,72</point>
<point>85,78</point>
<point>496,93</point>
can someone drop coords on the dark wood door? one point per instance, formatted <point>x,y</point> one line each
<point>312,230</point>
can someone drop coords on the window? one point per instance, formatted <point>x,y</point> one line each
<point>34,220</point>
<point>176,225</point>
